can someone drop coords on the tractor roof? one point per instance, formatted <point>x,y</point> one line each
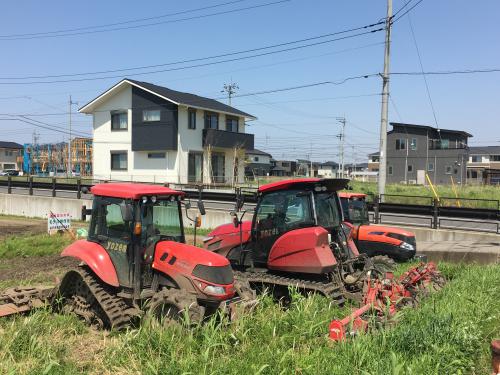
<point>131,191</point>
<point>332,184</point>
<point>347,195</point>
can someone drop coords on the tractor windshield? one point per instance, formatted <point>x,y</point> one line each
<point>162,220</point>
<point>357,211</point>
<point>327,210</point>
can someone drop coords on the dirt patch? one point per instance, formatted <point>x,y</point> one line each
<point>39,269</point>
<point>12,226</point>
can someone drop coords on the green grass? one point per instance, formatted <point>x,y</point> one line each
<point>33,245</point>
<point>448,333</point>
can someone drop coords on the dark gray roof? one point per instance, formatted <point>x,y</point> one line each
<point>409,126</point>
<point>329,164</point>
<point>190,99</point>
<point>4,144</point>
<point>258,152</point>
<point>376,153</point>
<point>486,150</point>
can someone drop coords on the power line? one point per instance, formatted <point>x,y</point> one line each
<point>38,125</point>
<point>422,70</point>
<point>62,34</point>
<point>198,58</point>
<point>202,64</point>
<point>449,72</point>
<point>406,12</point>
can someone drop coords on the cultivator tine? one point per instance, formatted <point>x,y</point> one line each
<point>23,299</point>
<point>385,297</point>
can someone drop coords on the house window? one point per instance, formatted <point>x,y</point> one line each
<point>218,167</point>
<point>192,118</point>
<point>495,158</point>
<point>473,174</point>
<point>410,168</point>
<point>445,144</point>
<point>156,155</point>
<point>8,153</point>
<point>255,158</point>
<point>413,144</point>
<point>151,115</point>
<point>430,167</point>
<point>476,158</point>
<point>211,120</point>
<point>389,170</point>
<point>400,144</point>
<point>195,167</point>
<point>119,161</point>
<point>119,121</point>
<point>232,124</point>
<point>448,169</point>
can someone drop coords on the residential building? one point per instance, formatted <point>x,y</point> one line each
<point>258,163</point>
<point>351,168</point>
<point>328,169</point>
<point>414,150</point>
<point>304,168</point>
<point>373,161</point>
<point>283,167</point>
<point>10,155</point>
<point>146,132</point>
<point>483,166</point>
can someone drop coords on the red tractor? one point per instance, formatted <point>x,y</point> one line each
<point>296,238</point>
<point>375,240</point>
<point>135,255</point>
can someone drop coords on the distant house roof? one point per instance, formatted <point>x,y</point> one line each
<point>486,150</point>
<point>329,164</point>
<point>176,97</point>
<point>395,125</point>
<point>14,145</point>
<point>376,153</point>
<point>258,152</point>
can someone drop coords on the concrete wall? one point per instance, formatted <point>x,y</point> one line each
<point>37,206</point>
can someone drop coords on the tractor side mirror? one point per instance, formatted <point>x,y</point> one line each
<point>126,211</point>
<point>201,207</point>
<point>236,222</point>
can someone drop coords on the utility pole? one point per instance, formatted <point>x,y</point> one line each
<point>341,137</point>
<point>382,172</point>
<point>353,162</point>
<point>230,89</point>
<point>70,170</point>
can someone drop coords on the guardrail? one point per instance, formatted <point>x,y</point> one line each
<point>436,213</point>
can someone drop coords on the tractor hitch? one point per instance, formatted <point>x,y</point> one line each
<point>23,299</point>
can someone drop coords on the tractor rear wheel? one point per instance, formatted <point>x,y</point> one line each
<point>176,306</point>
<point>383,264</point>
<point>78,299</point>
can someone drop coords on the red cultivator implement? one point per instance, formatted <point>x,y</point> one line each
<point>383,298</point>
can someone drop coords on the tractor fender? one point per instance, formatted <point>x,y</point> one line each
<point>94,256</point>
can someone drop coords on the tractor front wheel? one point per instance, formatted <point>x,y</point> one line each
<point>176,306</point>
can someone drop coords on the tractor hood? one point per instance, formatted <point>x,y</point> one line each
<point>187,256</point>
<point>382,233</point>
<point>230,230</point>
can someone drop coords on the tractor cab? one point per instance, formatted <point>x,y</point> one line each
<point>132,216</point>
<point>354,207</point>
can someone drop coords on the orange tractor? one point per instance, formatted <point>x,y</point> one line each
<point>135,255</point>
<point>374,240</point>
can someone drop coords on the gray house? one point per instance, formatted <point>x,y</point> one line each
<point>257,163</point>
<point>414,150</point>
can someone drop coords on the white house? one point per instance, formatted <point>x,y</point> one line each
<point>328,169</point>
<point>145,132</point>
<point>10,155</point>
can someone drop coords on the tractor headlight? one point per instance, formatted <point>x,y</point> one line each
<point>406,246</point>
<point>153,199</point>
<point>144,199</point>
<point>214,290</point>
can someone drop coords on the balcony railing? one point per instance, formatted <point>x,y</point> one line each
<point>227,139</point>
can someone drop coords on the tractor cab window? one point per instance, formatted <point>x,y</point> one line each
<point>327,210</point>
<point>161,221</point>
<point>108,222</point>
<point>358,213</point>
<point>282,211</point>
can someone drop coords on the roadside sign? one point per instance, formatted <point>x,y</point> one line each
<point>58,221</point>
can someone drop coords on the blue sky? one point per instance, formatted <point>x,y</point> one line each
<point>451,35</point>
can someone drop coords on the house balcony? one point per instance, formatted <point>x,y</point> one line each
<point>227,139</point>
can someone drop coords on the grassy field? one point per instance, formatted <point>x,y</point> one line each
<point>448,334</point>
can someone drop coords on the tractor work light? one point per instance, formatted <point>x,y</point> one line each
<point>144,199</point>
<point>153,199</point>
